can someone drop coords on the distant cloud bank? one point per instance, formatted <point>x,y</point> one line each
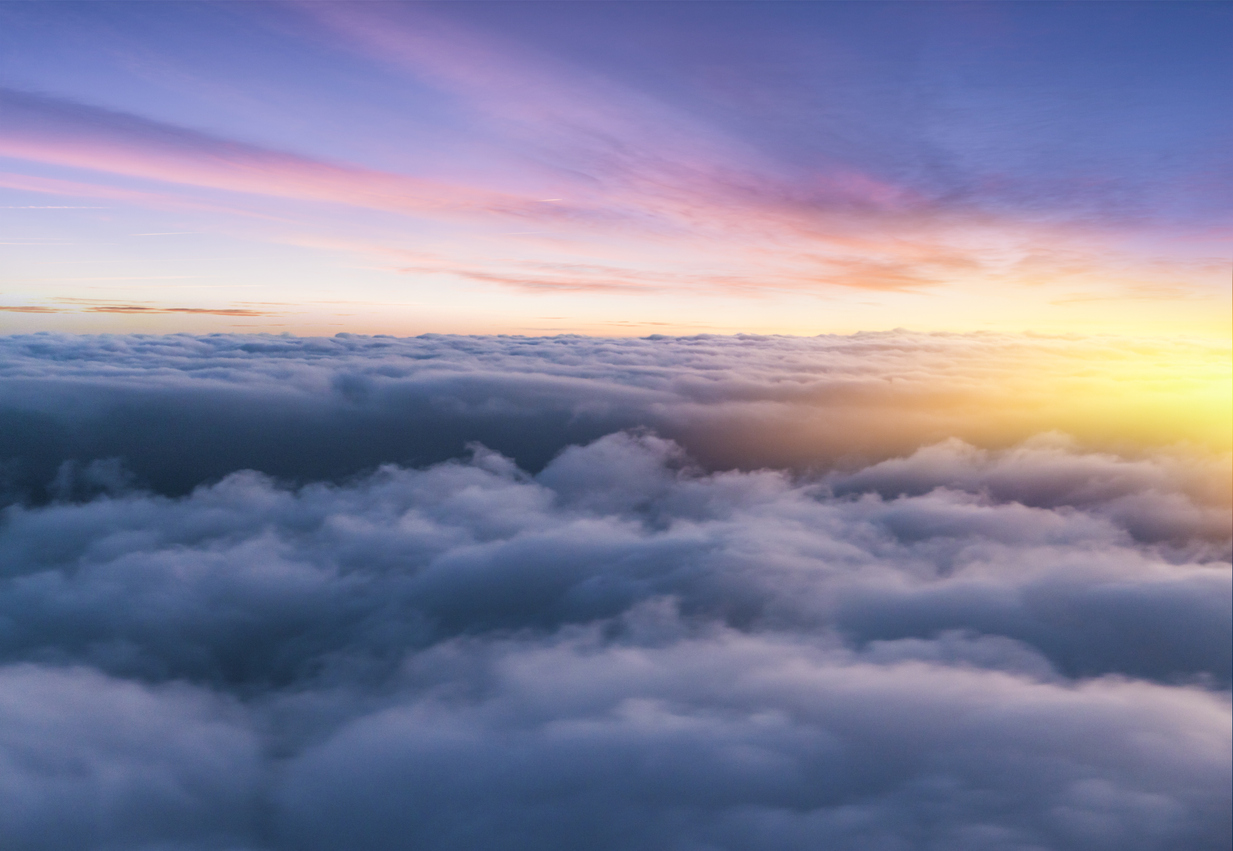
<point>645,613</point>
<point>181,410</point>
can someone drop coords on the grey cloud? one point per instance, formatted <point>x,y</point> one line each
<point>246,583</point>
<point>713,740</point>
<point>623,646</point>
<point>1155,498</point>
<point>87,761</point>
<point>181,410</point>
<point>742,742</point>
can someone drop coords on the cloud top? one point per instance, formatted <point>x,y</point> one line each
<point>180,410</point>
<point>622,647</point>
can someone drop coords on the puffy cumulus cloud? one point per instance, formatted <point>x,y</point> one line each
<point>181,410</point>
<point>737,742</point>
<point>1167,497</point>
<point>955,649</point>
<point>87,761</point>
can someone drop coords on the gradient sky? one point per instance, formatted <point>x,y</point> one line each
<point>616,168</point>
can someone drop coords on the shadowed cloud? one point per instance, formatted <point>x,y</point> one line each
<point>182,410</point>
<point>623,652</point>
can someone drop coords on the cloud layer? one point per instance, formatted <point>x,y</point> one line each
<point>950,647</point>
<point>181,410</point>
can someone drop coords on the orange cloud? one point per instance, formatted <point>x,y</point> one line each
<point>106,306</point>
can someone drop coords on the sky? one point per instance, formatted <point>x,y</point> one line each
<point>616,168</point>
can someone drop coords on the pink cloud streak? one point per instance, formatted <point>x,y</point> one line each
<point>60,132</point>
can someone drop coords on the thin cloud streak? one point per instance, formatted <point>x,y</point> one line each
<point>137,198</point>
<point>54,130</point>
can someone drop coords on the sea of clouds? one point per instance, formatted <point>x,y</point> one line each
<point>265,593</point>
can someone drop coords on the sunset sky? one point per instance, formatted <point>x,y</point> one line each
<point>616,169</point>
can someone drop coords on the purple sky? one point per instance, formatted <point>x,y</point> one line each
<point>616,168</point>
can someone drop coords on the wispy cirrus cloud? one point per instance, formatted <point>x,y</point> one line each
<point>664,172</point>
<point>88,305</point>
<point>729,228</point>
<point>170,200</point>
<point>63,132</point>
<point>121,307</point>
<point>759,161</point>
<point>630,149</point>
